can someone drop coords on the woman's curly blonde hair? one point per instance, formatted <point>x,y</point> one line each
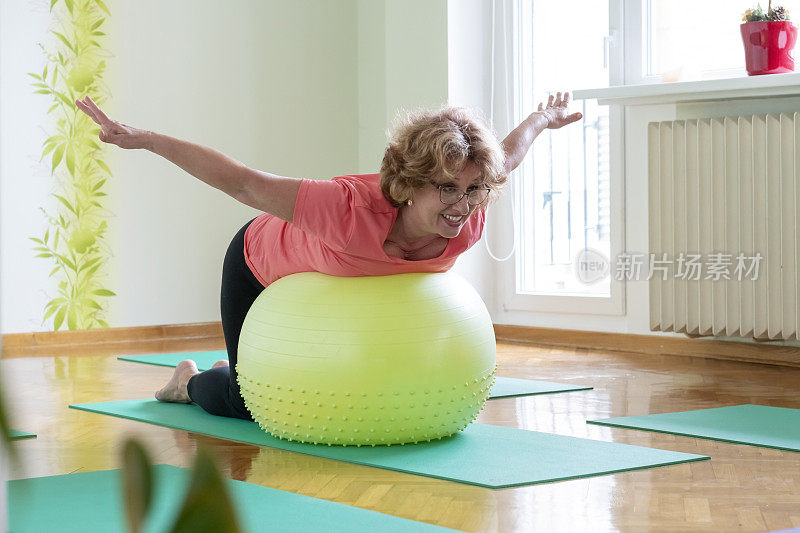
<point>437,144</point>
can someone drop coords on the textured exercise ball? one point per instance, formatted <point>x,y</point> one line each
<point>366,360</point>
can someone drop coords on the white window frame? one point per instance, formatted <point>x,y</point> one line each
<point>614,304</point>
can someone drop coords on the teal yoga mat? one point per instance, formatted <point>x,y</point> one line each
<point>90,502</point>
<point>757,425</point>
<point>502,388</point>
<point>16,435</point>
<point>483,455</point>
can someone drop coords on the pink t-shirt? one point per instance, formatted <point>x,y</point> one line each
<point>339,228</point>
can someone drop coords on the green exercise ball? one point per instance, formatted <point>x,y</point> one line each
<point>366,360</point>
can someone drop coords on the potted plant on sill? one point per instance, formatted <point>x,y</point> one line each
<point>768,40</point>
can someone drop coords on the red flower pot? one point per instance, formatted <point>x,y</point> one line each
<point>768,46</point>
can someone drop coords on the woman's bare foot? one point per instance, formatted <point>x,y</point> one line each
<point>175,391</point>
<point>223,362</point>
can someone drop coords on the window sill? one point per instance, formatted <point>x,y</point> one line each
<point>695,91</point>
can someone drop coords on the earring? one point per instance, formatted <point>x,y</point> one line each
<point>410,202</point>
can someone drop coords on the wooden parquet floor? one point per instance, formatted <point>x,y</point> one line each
<point>742,488</point>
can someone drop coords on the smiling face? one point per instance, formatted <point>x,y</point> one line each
<point>429,217</point>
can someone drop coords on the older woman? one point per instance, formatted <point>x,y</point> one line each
<point>425,208</point>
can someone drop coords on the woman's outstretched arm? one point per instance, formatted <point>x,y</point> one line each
<point>267,192</point>
<point>554,116</point>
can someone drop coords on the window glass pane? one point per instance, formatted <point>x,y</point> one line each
<point>688,38</point>
<point>564,184</point>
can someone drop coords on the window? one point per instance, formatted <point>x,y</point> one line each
<point>684,40</point>
<point>564,188</point>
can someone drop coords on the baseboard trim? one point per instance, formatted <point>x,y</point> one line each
<point>650,344</point>
<point>101,340</point>
<point>184,336</point>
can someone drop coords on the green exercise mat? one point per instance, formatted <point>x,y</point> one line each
<point>483,455</point>
<point>16,435</point>
<point>502,388</point>
<point>89,502</point>
<point>758,425</point>
<point>509,387</point>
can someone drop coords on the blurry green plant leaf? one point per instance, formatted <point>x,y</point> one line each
<point>102,6</point>
<point>5,429</point>
<point>91,303</point>
<point>207,507</point>
<point>48,150</point>
<point>63,40</point>
<point>65,202</point>
<point>66,261</point>
<point>71,159</point>
<point>59,153</point>
<point>64,98</point>
<point>92,270</point>
<point>103,166</point>
<point>137,480</point>
<point>59,319</point>
<point>103,292</point>
<point>89,263</point>
<point>48,313</point>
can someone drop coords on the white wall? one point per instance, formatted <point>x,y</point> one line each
<point>271,83</point>
<point>402,64</point>
<point>301,88</point>
<point>24,181</point>
<point>469,85</point>
<point>372,122</point>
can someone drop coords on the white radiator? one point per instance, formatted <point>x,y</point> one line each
<point>720,187</point>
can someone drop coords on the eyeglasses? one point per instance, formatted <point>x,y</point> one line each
<point>449,194</point>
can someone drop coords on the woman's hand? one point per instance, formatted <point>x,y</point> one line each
<point>113,132</point>
<point>556,112</point>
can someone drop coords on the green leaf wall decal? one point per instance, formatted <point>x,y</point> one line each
<point>74,70</point>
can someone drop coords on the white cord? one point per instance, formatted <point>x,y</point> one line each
<point>491,121</point>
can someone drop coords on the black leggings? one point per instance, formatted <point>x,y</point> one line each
<point>217,390</point>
